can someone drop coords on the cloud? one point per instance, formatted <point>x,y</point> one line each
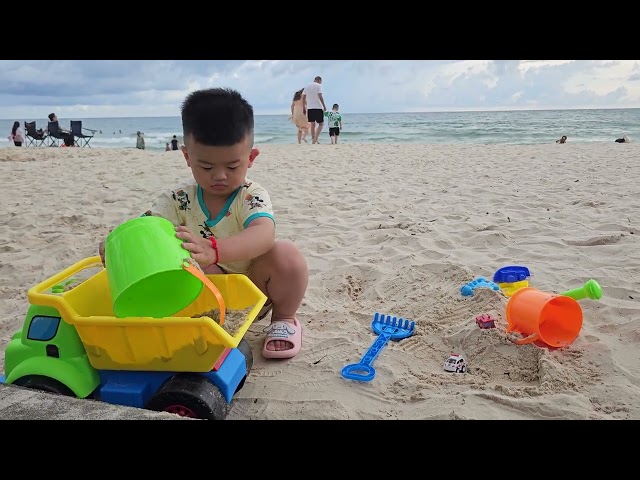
<point>30,89</point>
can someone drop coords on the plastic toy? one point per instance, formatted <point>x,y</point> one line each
<point>485,321</point>
<point>510,288</point>
<point>455,363</point>
<point>132,272</point>
<point>512,278</point>
<point>511,274</point>
<point>591,289</point>
<point>387,328</point>
<point>553,319</point>
<point>467,289</point>
<point>72,344</point>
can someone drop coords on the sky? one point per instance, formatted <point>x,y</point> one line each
<point>31,89</point>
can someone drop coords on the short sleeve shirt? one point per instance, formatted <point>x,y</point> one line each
<point>313,91</point>
<point>185,206</point>
<point>334,118</point>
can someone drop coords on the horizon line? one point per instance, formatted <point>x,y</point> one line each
<point>394,113</point>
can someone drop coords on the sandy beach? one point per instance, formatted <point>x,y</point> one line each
<point>395,229</point>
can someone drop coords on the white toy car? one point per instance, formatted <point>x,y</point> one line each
<point>455,363</point>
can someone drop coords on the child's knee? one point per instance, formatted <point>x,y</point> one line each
<point>287,256</point>
<point>283,258</point>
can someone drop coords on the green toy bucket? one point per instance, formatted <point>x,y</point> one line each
<point>144,258</point>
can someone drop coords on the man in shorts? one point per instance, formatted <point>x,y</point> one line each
<point>313,105</point>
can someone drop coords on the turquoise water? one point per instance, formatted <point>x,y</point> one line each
<point>514,127</point>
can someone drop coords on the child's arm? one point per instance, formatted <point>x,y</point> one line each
<point>255,240</point>
<point>257,237</point>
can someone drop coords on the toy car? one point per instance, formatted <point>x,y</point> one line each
<point>455,363</point>
<point>485,321</point>
<point>72,344</point>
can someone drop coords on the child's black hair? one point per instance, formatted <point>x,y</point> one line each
<point>217,117</point>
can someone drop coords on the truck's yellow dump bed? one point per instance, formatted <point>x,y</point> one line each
<point>179,343</point>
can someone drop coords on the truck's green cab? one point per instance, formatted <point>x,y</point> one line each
<point>47,346</point>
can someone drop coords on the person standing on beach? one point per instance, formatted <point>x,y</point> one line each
<point>17,135</point>
<point>335,123</point>
<point>174,143</point>
<point>314,107</point>
<point>140,141</point>
<point>298,117</point>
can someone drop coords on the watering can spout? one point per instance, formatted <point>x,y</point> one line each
<point>591,289</point>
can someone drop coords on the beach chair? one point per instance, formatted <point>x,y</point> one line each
<point>81,139</point>
<point>33,137</point>
<point>55,134</point>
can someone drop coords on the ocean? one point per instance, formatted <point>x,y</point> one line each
<point>504,127</point>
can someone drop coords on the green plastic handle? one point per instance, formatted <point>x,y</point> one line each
<point>591,289</point>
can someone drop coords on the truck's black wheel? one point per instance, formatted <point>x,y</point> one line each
<point>245,348</point>
<point>190,395</point>
<point>45,384</point>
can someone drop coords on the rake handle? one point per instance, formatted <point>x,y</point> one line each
<point>364,371</point>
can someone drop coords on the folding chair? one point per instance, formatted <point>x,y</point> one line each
<point>76,129</point>
<point>55,134</point>
<point>35,138</point>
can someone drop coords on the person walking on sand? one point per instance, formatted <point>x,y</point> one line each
<point>298,117</point>
<point>314,107</point>
<point>335,123</point>
<point>16,135</point>
<point>174,143</point>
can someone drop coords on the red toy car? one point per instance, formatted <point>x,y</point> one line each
<point>485,321</point>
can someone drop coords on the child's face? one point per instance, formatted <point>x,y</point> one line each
<point>219,170</point>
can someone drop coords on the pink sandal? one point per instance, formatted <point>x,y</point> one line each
<point>281,330</point>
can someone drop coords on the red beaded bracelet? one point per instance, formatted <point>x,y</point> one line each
<point>214,244</point>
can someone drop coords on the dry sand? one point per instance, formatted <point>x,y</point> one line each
<point>396,229</point>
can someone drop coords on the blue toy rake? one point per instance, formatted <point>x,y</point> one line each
<point>387,328</point>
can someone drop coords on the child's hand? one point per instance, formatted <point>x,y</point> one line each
<point>200,248</point>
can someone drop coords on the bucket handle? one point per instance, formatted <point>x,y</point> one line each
<point>196,272</point>
<point>531,338</point>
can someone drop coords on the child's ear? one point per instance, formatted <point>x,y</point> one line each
<point>252,156</point>
<point>186,155</point>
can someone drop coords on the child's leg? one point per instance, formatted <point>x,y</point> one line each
<point>282,275</point>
